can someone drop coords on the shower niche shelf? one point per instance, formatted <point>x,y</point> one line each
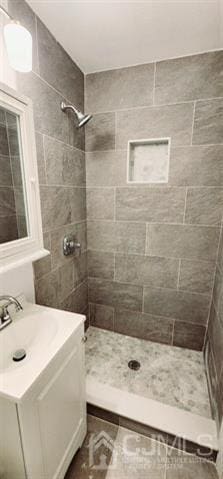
<point>148,161</point>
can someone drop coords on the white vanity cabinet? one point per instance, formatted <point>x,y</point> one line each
<point>41,433</point>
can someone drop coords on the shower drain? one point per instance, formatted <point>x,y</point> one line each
<point>133,364</point>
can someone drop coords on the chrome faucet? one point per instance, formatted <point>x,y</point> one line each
<point>5,317</point>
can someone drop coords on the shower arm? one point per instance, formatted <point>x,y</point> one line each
<point>65,107</point>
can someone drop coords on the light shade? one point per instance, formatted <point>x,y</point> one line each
<point>19,47</point>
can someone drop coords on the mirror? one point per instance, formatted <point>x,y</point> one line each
<point>21,237</point>
<point>13,217</point>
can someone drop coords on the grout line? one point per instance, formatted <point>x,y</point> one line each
<point>143,299</point>
<point>178,277</point>
<point>173,331</point>
<point>151,223</point>
<point>44,161</point>
<point>193,119</point>
<point>115,192</point>
<point>157,105</point>
<point>154,83</point>
<point>185,206</point>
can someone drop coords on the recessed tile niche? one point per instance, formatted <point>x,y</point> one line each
<point>148,161</point>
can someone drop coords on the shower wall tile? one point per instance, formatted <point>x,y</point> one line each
<point>65,165</point>
<point>150,204</point>
<point>61,72</point>
<point>189,78</point>
<point>100,133</point>
<point>208,122</point>
<point>196,166</point>
<point>218,293</point>
<point>180,305</point>
<point>181,220</point>
<point>43,265</point>
<point>55,206</point>
<point>102,316</point>
<point>153,271</point>
<point>106,168</point>
<point>144,326</point>
<point>40,159</point>
<point>183,241</point>
<point>189,336</point>
<point>78,204</point>
<point>101,264</point>
<point>80,298</point>
<point>116,236</point>
<point>120,88</point>
<point>197,276</point>
<point>48,117</point>
<point>9,229</point>
<point>215,335</point>
<point>100,203</point>
<point>173,121</point>
<point>204,206</point>
<point>115,294</point>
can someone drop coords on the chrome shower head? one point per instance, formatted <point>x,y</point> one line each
<point>82,119</point>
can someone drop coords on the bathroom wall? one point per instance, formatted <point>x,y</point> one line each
<point>214,343</point>
<point>59,282</point>
<point>152,249</point>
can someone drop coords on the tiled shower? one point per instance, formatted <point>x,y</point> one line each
<point>151,261</point>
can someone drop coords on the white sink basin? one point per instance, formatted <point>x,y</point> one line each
<point>41,332</point>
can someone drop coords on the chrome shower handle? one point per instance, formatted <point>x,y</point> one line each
<point>70,245</point>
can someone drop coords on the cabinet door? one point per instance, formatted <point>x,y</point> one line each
<point>61,412</point>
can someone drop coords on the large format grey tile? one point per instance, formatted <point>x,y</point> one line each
<point>43,266</point>
<point>65,165</point>
<point>77,199</point>
<point>150,204</point>
<point>120,88</point>
<point>184,306</point>
<point>144,326</point>
<point>106,168</point>
<point>220,251</point>
<point>100,132</point>
<point>189,335</point>
<point>100,264</point>
<point>102,316</point>
<point>48,117</point>
<point>196,276</point>
<point>55,205</point>
<point>61,72</point>
<point>25,15</point>
<point>218,293</point>
<point>115,294</point>
<point>196,166</point>
<point>189,78</point>
<point>47,290</point>
<point>6,172</point>
<point>100,203</point>
<point>116,236</point>
<point>204,206</point>
<point>183,241</point>
<point>80,267</point>
<point>215,335</point>
<point>208,122</point>
<point>173,121</point>
<point>150,270</point>
<point>40,159</point>
<point>80,298</point>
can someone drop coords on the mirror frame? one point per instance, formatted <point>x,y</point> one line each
<point>29,248</point>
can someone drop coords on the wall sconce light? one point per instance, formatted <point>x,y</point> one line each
<point>18,43</point>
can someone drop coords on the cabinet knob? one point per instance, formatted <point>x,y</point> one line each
<point>84,339</point>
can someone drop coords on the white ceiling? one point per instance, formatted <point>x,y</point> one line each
<point>100,35</point>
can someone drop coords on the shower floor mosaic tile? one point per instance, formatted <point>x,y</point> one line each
<point>168,374</point>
